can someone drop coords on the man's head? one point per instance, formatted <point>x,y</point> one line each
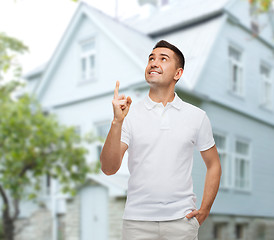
<point>165,64</point>
<point>179,55</point>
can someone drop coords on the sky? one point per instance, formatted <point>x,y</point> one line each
<point>40,24</point>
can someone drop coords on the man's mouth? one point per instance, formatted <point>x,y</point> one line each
<point>154,72</point>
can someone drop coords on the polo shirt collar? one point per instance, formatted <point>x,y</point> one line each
<point>175,103</point>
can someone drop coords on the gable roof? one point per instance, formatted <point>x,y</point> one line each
<point>197,43</point>
<point>177,15</point>
<point>121,35</point>
<point>35,72</point>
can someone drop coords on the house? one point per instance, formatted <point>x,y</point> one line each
<point>229,73</point>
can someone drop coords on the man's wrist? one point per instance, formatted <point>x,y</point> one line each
<point>204,210</point>
<point>116,122</point>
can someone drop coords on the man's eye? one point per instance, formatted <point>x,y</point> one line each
<point>163,59</point>
<point>151,59</point>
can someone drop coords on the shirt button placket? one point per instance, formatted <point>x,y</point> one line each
<point>164,120</point>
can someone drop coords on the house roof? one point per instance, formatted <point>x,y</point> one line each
<point>196,43</point>
<point>138,45</point>
<point>178,14</point>
<point>124,37</point>
<point>35,72</point>
<point>117,184</point>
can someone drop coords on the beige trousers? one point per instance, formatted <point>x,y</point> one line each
<point>179,229</point>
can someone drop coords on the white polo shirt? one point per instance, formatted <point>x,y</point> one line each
<point>160,143</point>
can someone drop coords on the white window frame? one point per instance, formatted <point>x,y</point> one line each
<point>238,87</point>
<point>266,81</point>
<point>246,158</point>
<point>89,74</point>
<point>225,163</point>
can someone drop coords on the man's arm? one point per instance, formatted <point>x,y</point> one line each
<point>113,150</point>
<point>212,181</point>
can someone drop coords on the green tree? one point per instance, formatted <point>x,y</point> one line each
<point>266,7</point>
<point>262,5</point>
<point>32,144</point>
<point>9,50</point>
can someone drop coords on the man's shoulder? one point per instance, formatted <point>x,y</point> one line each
<point>192,109</point>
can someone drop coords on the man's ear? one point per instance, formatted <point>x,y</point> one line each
<point>178,74</point>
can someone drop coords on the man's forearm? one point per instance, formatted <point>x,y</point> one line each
<point>111,153</point>
<point>211,187</point>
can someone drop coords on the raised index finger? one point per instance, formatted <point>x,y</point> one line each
<point>116,90</point>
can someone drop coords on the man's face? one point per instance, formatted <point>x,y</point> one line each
<point>162,67</point>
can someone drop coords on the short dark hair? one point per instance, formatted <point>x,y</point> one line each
<point>178,53</point>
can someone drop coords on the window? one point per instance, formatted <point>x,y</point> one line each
<point>240,231</point>
<point>219,231</point>
<point>220,141</point>
<point>261,232</point>
<point>236,71</point>
<point>48,183</point>
<point>242,165</point>
<point>266,95</point>
<point>88,59</point>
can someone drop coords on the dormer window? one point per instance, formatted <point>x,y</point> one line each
<point>88,59</point>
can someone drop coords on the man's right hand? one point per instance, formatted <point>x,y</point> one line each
<point>120,104</point>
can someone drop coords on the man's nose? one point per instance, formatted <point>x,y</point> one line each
<point>155,63</point>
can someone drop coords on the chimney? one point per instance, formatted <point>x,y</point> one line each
<point>147,8</point>
<point>145,2</point>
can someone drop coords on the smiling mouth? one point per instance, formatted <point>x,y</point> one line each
<point>154,73</point>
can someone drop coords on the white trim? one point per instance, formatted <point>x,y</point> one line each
<point>263,81</point>
<point>87,76</point>
<point>240,84</point>
<point>247,158</point>
<point>227,163</point>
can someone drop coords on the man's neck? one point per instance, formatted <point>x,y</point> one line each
<point>162,96</point>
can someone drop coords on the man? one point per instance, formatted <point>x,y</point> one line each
<point>160,133</point>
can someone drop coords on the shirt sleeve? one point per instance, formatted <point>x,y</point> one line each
<point>205,138</point>
<point>125,133</point>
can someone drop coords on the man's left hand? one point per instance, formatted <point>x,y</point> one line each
<point>200,214</point>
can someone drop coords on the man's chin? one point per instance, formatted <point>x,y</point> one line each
<point>153,83</point>
<point>152,78</point>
